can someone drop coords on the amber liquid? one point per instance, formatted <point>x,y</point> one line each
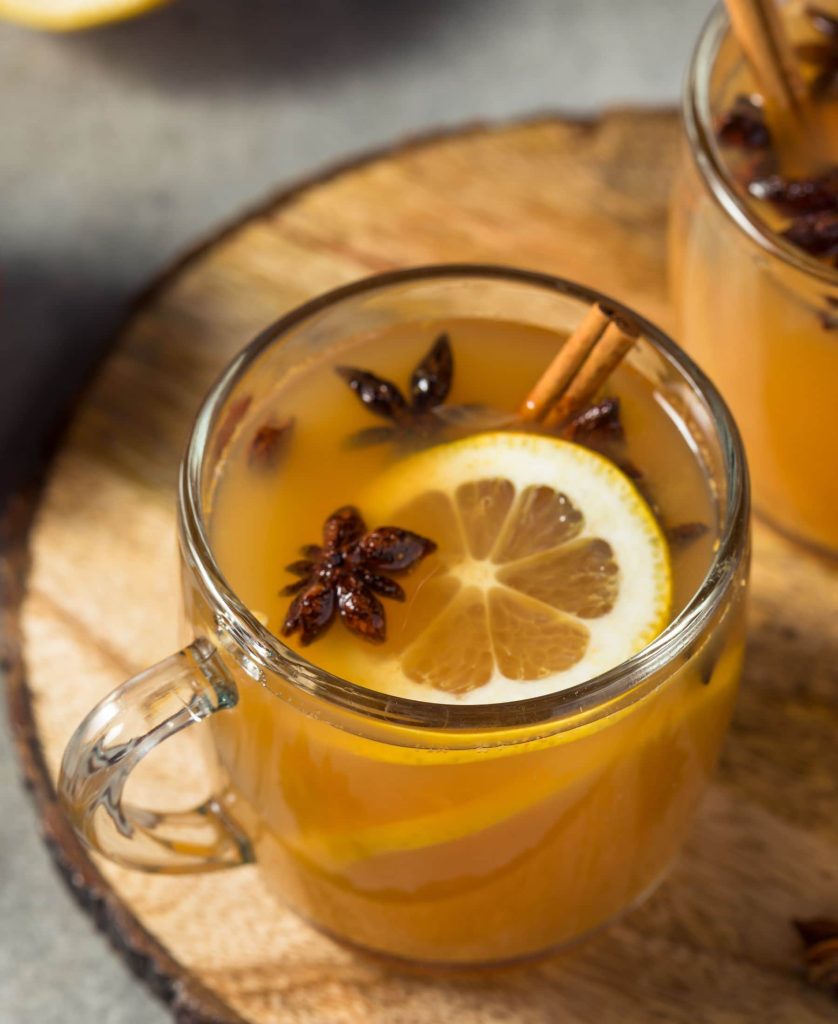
<point>765,332</point>
<point>495,365</point>
<point>459,847</point>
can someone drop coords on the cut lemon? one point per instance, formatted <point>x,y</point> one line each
<point>550,569</point>
<point>70,15</point>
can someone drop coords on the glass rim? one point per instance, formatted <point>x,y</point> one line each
<point>698,127</point>
<point>265,648</point>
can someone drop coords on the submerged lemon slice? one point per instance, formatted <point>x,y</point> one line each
<point>70,15</point>
<point>550,569</point>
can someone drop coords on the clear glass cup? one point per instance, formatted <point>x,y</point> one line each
<point>758,314</point>
<point>431,832</point>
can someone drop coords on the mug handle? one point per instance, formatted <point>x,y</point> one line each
<point>112,740</point>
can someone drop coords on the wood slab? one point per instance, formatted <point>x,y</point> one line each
<point>99,600</point>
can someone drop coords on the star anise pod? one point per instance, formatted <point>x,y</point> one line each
<point>600,427</point>
<point>343,575</point>
<point>744,125</point>
<point>798,196</point>
<point>430,384</point>
<point>815,233</point>
<point>820,937</point>
<point>598,423</point>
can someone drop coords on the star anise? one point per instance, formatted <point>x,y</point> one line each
<point>744,125</point>
<point>600,427</point>
<point>798,196</point>
<point>343,575</point>
<point>430,384</point>
<point>815,233</point>
<point>820,937</point>
<point>597,424</point>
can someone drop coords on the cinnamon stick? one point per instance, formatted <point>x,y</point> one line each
<point>801,143</point>
<point>567,363</point>
<point>608,352</point>
<point>759,29</point>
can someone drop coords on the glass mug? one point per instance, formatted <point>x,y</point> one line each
<point>759,315</point>
<point>438,833</point>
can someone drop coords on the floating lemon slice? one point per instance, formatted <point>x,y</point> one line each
<point>550,569</point>
<point>70,15</point>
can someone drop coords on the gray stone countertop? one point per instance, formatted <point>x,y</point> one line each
<point>119,146</point>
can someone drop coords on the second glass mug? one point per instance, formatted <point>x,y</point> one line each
<point>759,315</point>
<point>436,833</point>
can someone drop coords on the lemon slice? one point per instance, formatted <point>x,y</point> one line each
<point>338,850</point>
<point>550,569</point>
<point>69,15</point>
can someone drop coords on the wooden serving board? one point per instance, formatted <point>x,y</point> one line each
<point>585,199</point>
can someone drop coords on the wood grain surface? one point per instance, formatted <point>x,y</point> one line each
<point>99,600</point>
